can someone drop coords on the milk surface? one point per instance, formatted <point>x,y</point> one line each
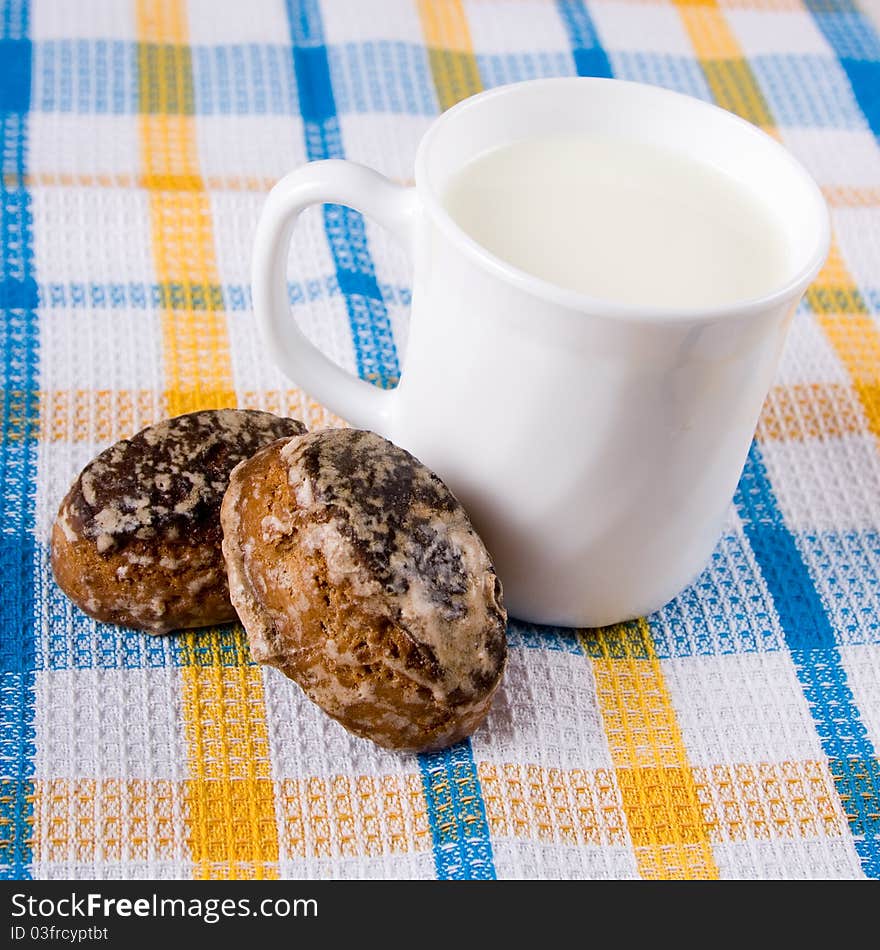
<point>620,221</point>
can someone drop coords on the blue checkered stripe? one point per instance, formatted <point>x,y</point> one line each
<point>19,343</point>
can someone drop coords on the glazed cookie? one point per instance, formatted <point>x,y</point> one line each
<point>357,573</point>
<point>137,538</point>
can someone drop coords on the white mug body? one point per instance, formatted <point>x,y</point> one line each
<point>595,446</point>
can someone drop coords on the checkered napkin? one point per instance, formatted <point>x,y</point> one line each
<point>733,734</point>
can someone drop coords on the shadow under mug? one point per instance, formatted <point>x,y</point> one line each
<point>595,446</point>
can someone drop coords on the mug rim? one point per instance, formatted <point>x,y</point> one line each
<point>598,306</point>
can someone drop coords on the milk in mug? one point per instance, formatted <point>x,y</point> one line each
<point>620,221</point>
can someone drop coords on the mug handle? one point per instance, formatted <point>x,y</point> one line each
<point>326,182</point>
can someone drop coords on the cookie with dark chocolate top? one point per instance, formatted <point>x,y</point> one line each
<point>137,538</point>
<point>357,573</point>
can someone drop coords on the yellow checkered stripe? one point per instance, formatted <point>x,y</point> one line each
<point>128,821</point>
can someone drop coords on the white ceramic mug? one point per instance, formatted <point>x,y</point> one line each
<point>596,447</point>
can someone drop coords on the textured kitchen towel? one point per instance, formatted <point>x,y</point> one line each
<point>733,734</point>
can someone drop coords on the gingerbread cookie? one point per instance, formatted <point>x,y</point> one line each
<point>137,538</point>
<point>357,573</point>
